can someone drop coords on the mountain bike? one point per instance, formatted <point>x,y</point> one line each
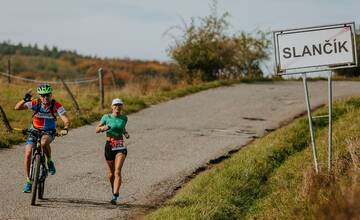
<point>38,169</point>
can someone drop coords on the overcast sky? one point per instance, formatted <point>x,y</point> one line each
<point>134,29</point>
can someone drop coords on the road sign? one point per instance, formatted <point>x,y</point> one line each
<point>315,48</point>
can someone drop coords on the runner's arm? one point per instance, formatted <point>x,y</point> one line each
<point>101,127</point>
<point>126,134</point>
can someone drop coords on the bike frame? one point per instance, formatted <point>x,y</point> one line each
<point>36,149</point>
<point>39,172</point>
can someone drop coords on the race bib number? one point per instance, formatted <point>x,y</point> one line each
<point>117,144</point>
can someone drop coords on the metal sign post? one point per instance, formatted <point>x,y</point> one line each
<point>312,136</point>
<point>330,122</point>
<point>315,49</point>
<point>310,118</point>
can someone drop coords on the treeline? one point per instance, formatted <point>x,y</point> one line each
<point>7,48</point>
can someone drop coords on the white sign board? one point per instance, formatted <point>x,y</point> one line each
<point>315,48</point>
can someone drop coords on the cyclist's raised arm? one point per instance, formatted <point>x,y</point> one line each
<point>23,104</point>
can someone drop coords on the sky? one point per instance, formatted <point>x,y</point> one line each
<point>135,29</point>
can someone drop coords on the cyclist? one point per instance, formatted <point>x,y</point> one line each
<point>115,149</point>
<point>44,110</point>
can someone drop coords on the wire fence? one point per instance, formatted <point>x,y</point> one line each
<point>81,81</point>
<point>3,116</point>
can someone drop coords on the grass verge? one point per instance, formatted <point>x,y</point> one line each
<point>273,177</point>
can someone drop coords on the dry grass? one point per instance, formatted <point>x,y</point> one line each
<point>273,178</point>
<point>343,201</point>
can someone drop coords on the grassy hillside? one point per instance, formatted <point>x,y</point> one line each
<point>273,177</point>
<point>40,67</point>
<point>49,63</point>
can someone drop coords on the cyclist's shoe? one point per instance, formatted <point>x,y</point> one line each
<point>114,199</point>
<point>27,187</point>
<point>51,167</point>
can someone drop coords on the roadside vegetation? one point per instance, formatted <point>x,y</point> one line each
<point>273,178</point>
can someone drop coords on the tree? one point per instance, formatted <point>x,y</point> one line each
<point>249,51</point>
<point>208,52</point>
<point>55,52</point>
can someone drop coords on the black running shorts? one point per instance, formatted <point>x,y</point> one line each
<point>110,154</point>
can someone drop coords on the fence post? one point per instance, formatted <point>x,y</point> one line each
<point>113,79</point>
<point>5,120</point>
<point>101,87</point>
<point>8,70</point>
<point>74,102</point>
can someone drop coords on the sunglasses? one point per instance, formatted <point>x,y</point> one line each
<point>45,95</point>
<point>119,105</point>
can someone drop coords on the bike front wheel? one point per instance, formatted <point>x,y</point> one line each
<point>41,189</point>
<point>36,178</point>
<point>42,181</point>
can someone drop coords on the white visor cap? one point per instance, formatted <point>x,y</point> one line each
<point>117,102</point>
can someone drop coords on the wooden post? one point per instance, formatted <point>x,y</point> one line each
<point>5,120</point>
<point>8,70</point>
<point>113,79</point>
<point>74,102</point>
<point>101,87</point>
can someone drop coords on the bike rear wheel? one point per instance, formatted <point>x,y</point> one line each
<point>36,178</point>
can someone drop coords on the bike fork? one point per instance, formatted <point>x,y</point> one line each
<point>31,165</point>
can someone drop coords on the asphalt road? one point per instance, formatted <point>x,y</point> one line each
<point>168,142</point>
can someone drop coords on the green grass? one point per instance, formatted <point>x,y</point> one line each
<point>88,100</point>
<point>272,178</point>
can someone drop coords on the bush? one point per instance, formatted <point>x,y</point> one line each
<point>206,51</point>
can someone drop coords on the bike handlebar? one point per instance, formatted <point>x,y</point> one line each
<point>38,133</point>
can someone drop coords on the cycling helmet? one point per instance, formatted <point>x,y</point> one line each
<point>44,89</point>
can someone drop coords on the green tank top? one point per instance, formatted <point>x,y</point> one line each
<point>117,124</point>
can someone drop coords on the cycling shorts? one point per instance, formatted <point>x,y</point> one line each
<point>31,139</point>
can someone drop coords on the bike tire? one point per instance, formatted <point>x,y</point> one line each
<point>36,178</point>
<point>41,189</point>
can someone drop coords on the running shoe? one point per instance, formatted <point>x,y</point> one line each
<point>27,187</point>
<point>51,167</point>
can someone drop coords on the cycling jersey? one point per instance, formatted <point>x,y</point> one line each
<point>44,118</point>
